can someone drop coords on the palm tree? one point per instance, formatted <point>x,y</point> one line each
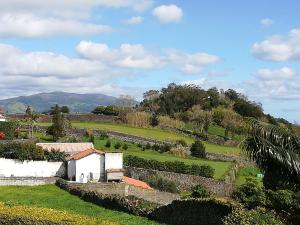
<point>276,151</point>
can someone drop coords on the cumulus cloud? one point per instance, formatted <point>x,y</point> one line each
<point>274,84</point>
<point>168,13</point>
<point>12,25</point>
<point>137,56</point>
<point>279,48</point>
<point>135,20</point>
<point>266,22</point>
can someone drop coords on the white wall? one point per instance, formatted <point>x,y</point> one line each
<point>88,165</point>
<point>113,160</point>
<point>28,168</point>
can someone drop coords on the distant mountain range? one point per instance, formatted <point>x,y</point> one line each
<point>43,101</point>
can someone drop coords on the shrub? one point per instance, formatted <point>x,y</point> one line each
<point>55,156</point>
<point>179,151</point>
<point>9,129</point>
<point>198,149</point>
<point>250,194</point>
<point>25,215</point>
<point>21,151</point>
<point>117,145</point>
<point>200,192</point>
<point>181,142</point>
<point>147,146</point>
<point>259,216</point>
<point>139,145</point>
<point>103,135</point>
<point>166,121</point>
<point>108,144</point>
<point>162,184</point>
<point>138,119</point>
<point>192,212</point>
<point>280,200</point>
<point>155,147</point>
<point>125,146</point>
<point>154,120</point>
<point>169,166</point>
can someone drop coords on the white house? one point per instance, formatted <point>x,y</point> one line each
<point>2,118</point>
<point>92,166</point>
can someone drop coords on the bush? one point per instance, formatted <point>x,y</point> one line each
<point>280,200</point>
<point>193,212</point>
<point>147,146</point>
<point>259,216</point>
<point>181,142</point>
<point>117,145</point>
<point>250,194</point>
<point>108,144</point>
<point>125,146</point>
<point>14,214</point>
<point>200,192</point>
<point>166,121</point>
<point>170,166</point>
<point>154,120</point>
<point>138,119</point>
<point>21,151</point>
<point>198,149</point>
<point>55,156</point>
<point>162,184</point>
<point>9,129</point>
<point>103,135</point>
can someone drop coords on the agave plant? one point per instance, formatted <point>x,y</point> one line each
<point>275,150</point>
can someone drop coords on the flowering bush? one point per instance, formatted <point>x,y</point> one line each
<point>2,135</point>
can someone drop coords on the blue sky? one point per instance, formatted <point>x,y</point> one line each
<point>129,46</point>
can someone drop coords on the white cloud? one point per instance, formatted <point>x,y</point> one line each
<point>191,69</point>
<point>12,25</point>
<point>266,22</point>
<point>135,20</point>
<point>279,48</point>
<point>282,73</point>
<point>168,13</point>
<point>137,56</point>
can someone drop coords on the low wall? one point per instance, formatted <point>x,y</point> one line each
<point>26,181</point>
<point>29,168</point>
<point>184,182</point>
<point>123,189</point>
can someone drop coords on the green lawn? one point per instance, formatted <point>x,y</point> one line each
<point>152,133</point>
<point>220,167</point>
<point>50,196</point>
<point>248,172</point>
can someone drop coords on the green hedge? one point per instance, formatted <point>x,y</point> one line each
<point>28,151</point>
<point>9,128</point>
<point>193,212</point>
<point>14,214</point>
<point>170,166</point>
<point>129,204</point>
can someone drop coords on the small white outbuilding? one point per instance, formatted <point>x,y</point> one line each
<point>93,166</point>
<point>2,118</point>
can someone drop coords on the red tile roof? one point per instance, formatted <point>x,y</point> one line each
<point>71,148</point>
<point>83,154</point>
<point>136,183</point>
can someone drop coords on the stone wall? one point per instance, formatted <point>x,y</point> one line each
<point>26,181</point>
<point>184,182</point>
<point>123,189</point>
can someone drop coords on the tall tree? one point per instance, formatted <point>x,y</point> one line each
<point>32,118</point>
<point>277,152</point>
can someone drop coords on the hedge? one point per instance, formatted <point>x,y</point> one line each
<point>29,151</point>
<point>9,128</point>
<point>14,214</point>
<point>170,166</point>
<point>193,212</point>
<point>129,204</point>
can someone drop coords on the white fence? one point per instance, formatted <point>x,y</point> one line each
<point>28,168</point>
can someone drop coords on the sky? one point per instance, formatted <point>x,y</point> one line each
<point>119,47</point>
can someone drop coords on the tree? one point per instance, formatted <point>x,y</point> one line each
<point>200,118</point>
<point>60,124</point>
<point>276,151</point>
<point>65,109</point>
<point>32,118</point>
<point>99,110</point>
<point>198,149</point>
<point>126,100</point>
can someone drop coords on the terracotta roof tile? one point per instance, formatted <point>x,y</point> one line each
<point>136,183</point>
<point>83,154</point>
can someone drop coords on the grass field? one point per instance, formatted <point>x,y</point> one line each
<point>50,196</point>
<point>220,167</point>
<point>152,133</point>
<point>248,172</point>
